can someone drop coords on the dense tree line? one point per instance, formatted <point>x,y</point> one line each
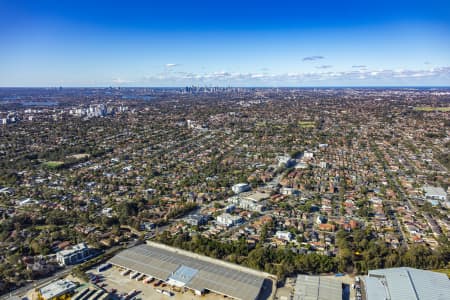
<point>278,261</point>
<point>358,252</point>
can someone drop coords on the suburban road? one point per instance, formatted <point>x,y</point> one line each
<point>24,289</point>
<point>21,291</point>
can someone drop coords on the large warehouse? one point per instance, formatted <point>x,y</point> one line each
<point>406,283</point>
<point>317,288</point>
<point>199,273</point>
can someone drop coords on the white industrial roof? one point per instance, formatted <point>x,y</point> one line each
<point>407,283</point>
<point>375,289</point>
<point>317,288</point>
<point>432,191</point>
<point>57,288</point>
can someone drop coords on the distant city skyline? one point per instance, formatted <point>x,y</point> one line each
<point>263,43</point>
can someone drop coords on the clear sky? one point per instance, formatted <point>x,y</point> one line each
<point>225,43</point>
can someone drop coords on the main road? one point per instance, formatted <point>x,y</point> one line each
<point>21,291</point>
<point>36,283</point>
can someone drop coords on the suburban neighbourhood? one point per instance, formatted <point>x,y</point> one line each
<point>303,189</point>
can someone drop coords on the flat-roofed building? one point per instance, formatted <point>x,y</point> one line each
<point>240,188</point>
<point>284,235</point>
<point>285,161</point>
<point>57,289</point>
<point>75,255</point>
<point>317,288</point>
<point>406,283</point>
<point>434,194</point>
<point>196,219</point>
<point>197,272</point>
<point>253,201</point>
<point>228,220</point>
<point>308,155</point>
<point>289,191</point>
<point>255,196</point>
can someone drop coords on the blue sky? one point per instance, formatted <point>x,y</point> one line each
<point>237,43</point>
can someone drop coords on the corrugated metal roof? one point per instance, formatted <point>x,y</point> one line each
<point>317,288</point>
<point>161,263</point>
<point>155,264</point>
<point>409,283</point>
<point>374,288</point>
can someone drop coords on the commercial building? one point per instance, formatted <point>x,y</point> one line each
<point>196,219</point>
<point>289,191</point>
<point>406,283</point>
<point>199,273</point>
<point>434,194</point>
<point>317,288</point>
<point>147,226</point>
<point>308,155</point>
<point>75,255</point>
<point>230,208</point>
<point>251,205</point>
<point>228,220</point>
<point>240,188</point>
<point>285,161</point>
<point>284,235</point>
<point>253,201</point>
<point>302,165</point>
<point>57,289</point>
<point>323,164</point>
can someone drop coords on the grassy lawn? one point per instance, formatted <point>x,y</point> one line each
<point>53,164</point>
<point>430,108</point>
<point>307,124</point>
<point>45,227</point>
